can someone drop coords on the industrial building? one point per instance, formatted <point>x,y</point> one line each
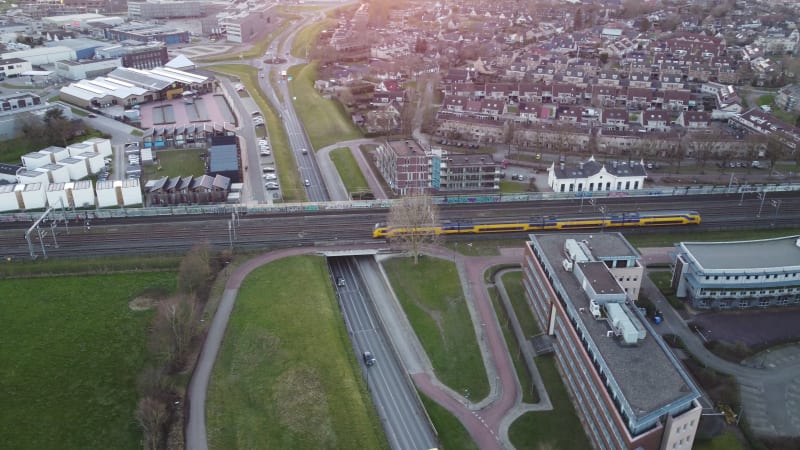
<point>165,10</point>
<point>127,87</point>
<point>138,56</point>
<point>224,158</point>
<point>42,55</point>
<point>243,24</point>
<point>738,275</point>
<point>89,68</point>
<point>625,383</point>
<point>84,48</point>
<point>13,67</point>
<point>144,32</point>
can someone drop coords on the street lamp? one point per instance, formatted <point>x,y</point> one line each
<point>762,196</point>
<point>744,189</point>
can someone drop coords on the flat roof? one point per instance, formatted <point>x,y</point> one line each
<point>647,377</point>
<point>759,254</point>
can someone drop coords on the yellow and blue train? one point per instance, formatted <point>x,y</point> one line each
<point>611,220</point>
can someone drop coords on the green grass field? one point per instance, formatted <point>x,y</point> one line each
<point>173,163</point>
<point>557,429</point>
<point>349,171</point>
<point>325,120</point>
<point>687,234</point>
<point>286,376</point>
<point>291,184</point>
<point>516,294</point>
<point>726,441</point>
<point>431,296</point>
<point>70,353</point>
<point>452,434</point>
<point>307,37</point>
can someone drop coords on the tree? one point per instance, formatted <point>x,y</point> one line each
<point>416,215</point>
<point>175,327</point>
<point>151,415</point>
<point>775,151</point>
<point>195,269</point>
<point>644,25</point>
<point>421,46</point>
<point>578,20</point>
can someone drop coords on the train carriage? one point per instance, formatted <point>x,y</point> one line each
<point>612,220</point>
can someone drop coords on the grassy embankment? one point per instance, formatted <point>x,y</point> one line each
<point>431,296</point>
<point>349,172</point>
<point>70,351</point>
<point>286,376</point>
<point>326,122</point>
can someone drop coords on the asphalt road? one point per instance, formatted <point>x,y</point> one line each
<point>402,415</point>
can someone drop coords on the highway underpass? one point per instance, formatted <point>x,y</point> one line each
<point>355,279</point>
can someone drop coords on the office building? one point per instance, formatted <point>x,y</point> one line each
<point>627,387</point>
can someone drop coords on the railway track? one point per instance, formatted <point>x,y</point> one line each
<point>169,235</point>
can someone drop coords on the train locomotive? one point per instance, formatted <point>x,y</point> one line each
<point>547,223</point>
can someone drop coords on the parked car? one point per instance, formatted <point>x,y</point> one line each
<point>271,185</point>
<point>91,116</point>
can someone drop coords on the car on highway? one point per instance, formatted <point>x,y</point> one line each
<point>368,358</point>
<point>340,282</point>
<point>307,183</point>
<point>304,150</point>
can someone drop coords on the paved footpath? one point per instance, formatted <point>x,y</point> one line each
<point>484,419</point>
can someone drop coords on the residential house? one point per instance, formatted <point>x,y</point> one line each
<point>614,119</point>
<point>639,79</point>
<point>658,120</point>
<point>788,98</point>
<point>591,176</point>
<point>677,100</point>
<point>694,120</point>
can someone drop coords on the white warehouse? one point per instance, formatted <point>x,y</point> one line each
<point>101,145</point>
<point>42,55</point>
<point>33,195</point>
<point>8,198</point>
<point>118,193</point>
<point>25,176</point>
<point>76,167</point>
<point>57,196</point>
<point>56,172</point>
<point>34,160</point>
<point>81,194</point>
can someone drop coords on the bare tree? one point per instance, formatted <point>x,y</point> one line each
<point>414,218</point>
<point>175,327</point>
<point>195,269</point>
<point>703,148</point>
<point>151,415</point>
